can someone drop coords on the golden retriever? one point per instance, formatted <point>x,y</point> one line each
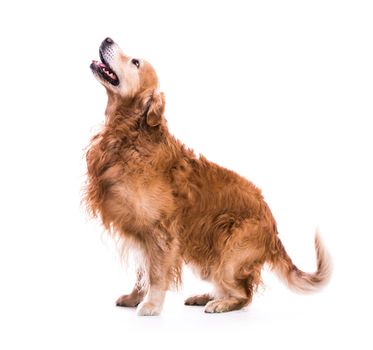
<point>174,207</point>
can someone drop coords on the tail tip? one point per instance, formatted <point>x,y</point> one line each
<point>324,260</point>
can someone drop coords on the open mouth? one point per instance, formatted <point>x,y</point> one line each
<point>104,71</point>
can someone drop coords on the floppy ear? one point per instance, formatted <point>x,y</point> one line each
<point>156,109</point>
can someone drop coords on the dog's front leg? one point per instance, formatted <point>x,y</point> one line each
<point>137,295</point>
<point>162,268</point>
<point>153,302</point>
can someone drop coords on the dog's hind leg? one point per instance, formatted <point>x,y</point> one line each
<point>238,275</point>
<point>235,292</point>
<point>232,296</point>
<point>231,293</point>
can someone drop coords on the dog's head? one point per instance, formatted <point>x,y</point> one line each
<point>126,78</point>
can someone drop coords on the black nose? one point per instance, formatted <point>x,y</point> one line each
<point>108,41</point>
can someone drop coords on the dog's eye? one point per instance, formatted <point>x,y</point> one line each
<point>136,62</point>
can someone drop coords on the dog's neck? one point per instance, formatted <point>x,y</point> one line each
<point>127,118</point>
<point>117,105</point>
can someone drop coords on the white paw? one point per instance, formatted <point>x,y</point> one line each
<point>216,306</point>
<point>148,309</point>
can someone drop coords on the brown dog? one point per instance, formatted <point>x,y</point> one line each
<point>174,207</point>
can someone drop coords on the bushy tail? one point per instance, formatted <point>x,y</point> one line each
<point>297,280</point>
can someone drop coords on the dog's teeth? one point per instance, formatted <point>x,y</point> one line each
<point>107,71</point>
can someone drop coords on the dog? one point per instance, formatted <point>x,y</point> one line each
<point>175,208</point>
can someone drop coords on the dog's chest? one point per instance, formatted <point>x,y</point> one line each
<point>133,196</point>
<point>137,202</point>
<point>131,192</point>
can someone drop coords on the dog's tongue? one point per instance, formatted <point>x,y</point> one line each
<point>100,64</point>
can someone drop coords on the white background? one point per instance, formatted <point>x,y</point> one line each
<point>279,91</point>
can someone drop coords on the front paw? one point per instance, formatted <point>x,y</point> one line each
<point>147,308</point>
<point>199,300</point>
<point>129,300</point>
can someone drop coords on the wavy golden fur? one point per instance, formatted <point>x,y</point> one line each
<point>175,207</point>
